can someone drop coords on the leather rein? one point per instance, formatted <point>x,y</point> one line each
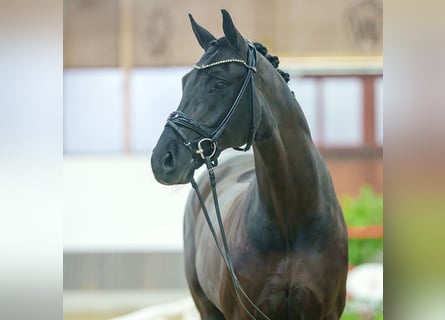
<point>208,153</point>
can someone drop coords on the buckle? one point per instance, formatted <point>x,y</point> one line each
<point>201,151</point>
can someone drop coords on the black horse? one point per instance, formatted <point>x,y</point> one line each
<point>285,230</point>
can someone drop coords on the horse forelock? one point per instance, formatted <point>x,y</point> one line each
<point>217,50</point>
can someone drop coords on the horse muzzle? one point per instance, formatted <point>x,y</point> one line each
<point>171,163</point>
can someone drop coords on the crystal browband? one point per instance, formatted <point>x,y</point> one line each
<point>205,66</point>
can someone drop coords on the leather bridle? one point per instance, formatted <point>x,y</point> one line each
<point>178,120</point>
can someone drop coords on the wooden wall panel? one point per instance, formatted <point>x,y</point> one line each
<point>349,175</point>
<point>90,33</point>
<point>328,28</point>
<point>161,33</point>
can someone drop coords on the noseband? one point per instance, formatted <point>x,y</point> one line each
<point>208,144</point>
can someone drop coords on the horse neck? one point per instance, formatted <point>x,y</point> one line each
<point>290,172</point>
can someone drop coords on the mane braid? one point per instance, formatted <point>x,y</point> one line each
<point>274,60</point>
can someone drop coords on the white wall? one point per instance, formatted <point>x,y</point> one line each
<point>113,203</point>
<point>94,117</point>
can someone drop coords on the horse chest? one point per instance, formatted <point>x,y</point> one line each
<point>281,286</point>
<point>272,276</point>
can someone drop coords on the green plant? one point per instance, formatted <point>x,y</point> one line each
<point>358,316</point>
<point>364,210</point>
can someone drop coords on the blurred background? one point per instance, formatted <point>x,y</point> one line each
<point>123,64</point>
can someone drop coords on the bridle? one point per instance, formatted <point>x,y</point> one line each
<point>178,119</point>
<point>209,154</point>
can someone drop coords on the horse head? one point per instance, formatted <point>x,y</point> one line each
<point>216,110</point>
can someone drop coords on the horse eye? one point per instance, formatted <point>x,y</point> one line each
<point>220,86</point>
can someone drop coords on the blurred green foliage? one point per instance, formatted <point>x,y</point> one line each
<point>364,210</point>
<point>358,316</point>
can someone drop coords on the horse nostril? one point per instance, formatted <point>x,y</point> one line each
<point>168,161</point>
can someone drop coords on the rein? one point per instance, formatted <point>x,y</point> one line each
<point>224,251</point>
<point>209,154</point>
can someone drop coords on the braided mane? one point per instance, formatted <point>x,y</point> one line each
<point>274,60</point>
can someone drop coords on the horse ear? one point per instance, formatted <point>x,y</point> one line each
<point>202,35</point>
<point>232,34</point>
